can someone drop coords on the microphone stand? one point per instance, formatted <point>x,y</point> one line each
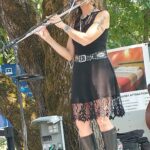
<point>22,77</point>
<point>19,96</point>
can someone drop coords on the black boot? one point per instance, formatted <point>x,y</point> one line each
<point>110,139</point>
<point>88,143</point>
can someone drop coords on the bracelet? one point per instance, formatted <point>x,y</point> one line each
<point>66,28</point>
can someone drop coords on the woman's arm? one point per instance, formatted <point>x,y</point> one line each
<point>67,53</point>
<point>99,25</point>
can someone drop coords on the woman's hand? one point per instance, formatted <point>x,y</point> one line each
<point>57,21</point>
<point>43,33</point>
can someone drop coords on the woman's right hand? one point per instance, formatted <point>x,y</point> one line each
<point>43,33</point>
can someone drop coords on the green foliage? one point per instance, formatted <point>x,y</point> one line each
<point>2,39</point>
<point>6,56</point>
<point>1,59</point>
<point>3,143</point>
<point>127,22</point>
<point>3,35</point>
<point>145,4</point>
<point>37,6</point>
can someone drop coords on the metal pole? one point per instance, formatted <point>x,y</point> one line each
<point>19,96</point>
<point>62,132</point>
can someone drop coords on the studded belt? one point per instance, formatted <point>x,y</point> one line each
<point>93,56</point>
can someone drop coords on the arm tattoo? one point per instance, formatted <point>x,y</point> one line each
<point>66,28</point>
<point>99,23</point>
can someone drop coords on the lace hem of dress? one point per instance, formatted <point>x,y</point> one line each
<point>110,107</point>
<point>117,108</point>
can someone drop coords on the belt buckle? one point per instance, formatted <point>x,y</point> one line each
<point>101,54</point>
<point>82,58</point>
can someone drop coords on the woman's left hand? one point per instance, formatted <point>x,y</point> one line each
<point>57,21</point>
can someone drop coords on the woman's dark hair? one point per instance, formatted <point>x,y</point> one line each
<point>77,12</point>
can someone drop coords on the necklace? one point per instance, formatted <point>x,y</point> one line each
<point>85,19</point>
<point>84,22</point>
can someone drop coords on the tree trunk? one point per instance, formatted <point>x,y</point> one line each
<point>17,20</point>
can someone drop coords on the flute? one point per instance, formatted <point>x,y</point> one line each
<point>39,26</point>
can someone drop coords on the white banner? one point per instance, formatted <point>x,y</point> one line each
<point>132,69</point>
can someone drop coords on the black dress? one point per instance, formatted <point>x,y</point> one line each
<point>95,90</point>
